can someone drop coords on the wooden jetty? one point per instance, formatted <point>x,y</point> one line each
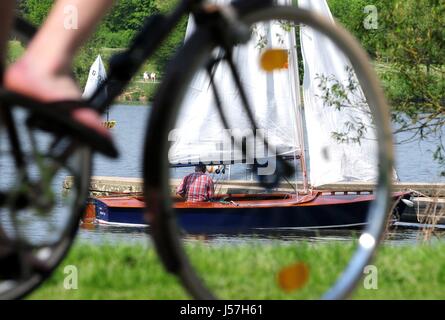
<point>103,185</point>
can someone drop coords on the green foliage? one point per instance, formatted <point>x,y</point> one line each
<point>117,28</point>
<point>175,39</point>
<point>128,15</point>
<point>118,39</point>
<point>352,15</point>
<point>410,41</point>
<point>35,10</point>
<point>416,45</point>
<point>341,95</point>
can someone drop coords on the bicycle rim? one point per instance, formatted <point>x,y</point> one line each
<point>167,232</point>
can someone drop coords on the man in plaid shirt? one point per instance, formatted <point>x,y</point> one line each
<point>197,186</point>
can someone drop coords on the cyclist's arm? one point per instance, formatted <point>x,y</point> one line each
<point>210,190</point>
<point>182,188</point>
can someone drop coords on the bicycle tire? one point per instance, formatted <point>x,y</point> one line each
<point>46,255</point>
<point>193,56</point>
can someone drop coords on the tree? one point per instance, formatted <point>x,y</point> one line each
<point>410,39</point>
<point>35,10</point>
<point>175,39</point>
<point>352,15</point>
<point>416,47</point>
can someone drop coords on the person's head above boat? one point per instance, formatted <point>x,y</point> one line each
<point>200,168</point>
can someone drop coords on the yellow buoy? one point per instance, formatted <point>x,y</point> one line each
<point>109,124</point>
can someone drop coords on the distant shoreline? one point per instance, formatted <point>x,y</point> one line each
<point>138,92</point>
<point>132,104</point>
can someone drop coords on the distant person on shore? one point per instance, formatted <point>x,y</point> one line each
<point>153,77</point>
<point>197,186</point>
<point>146,76</point>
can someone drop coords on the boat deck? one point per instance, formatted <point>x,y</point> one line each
<point>240,201</point>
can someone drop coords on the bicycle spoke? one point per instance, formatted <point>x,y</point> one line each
<point>211,69</point>
<point>283,168</point>
<point>13,137</point>
<point>37,221</point>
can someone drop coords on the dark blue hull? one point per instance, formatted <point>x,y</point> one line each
<point>348,213</point>
<point>239,221</point>
<point>123,215</point>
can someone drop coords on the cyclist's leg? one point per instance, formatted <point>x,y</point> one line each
<point>43,72</point>
<point>37,226</point>
<point>6,8</point>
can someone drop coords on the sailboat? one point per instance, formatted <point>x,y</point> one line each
<point>304,135</point>
<point>96,76</point>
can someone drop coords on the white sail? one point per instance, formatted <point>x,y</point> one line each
<point>200,135</point>
<point>330,160</point>
<point>96,76</point>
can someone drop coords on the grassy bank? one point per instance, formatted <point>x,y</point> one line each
<point>246,271</point>
<point>138,91</point>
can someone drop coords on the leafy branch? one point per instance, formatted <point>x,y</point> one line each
<point>421,125</point>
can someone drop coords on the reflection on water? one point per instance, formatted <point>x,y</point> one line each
<point>408,234</point>
<point>104,234</point>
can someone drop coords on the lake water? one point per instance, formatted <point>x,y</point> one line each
<point>414,163</point>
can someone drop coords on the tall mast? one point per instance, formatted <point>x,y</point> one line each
<point>299,128</point>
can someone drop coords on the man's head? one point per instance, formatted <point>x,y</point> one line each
<point>200,168</point>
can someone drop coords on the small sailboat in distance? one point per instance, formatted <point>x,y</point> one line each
<point>96,76</point>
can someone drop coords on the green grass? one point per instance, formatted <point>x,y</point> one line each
<point>138,92</point>
<point>246,271</point>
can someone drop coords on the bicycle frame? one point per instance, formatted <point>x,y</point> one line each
<point>123,66</point>
<point>156,28</point>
